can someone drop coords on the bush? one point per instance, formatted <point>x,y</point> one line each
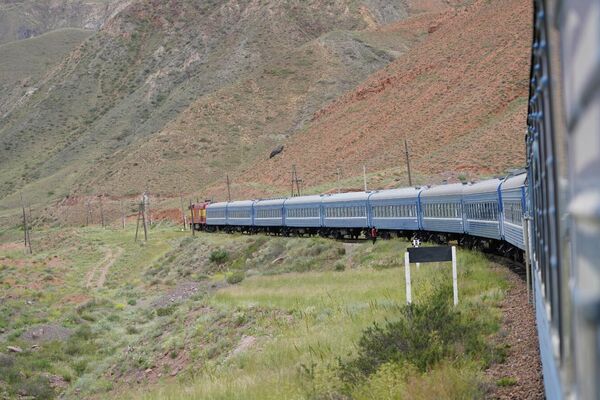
<point>236,277</point>
<point>164,311</point>
<point>424,335</point>
<point>37,387</point>
<point>506,381</point>
<point>339,266</point>
<point>218,256</point>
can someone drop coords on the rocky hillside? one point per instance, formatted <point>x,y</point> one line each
<point>459,98</point>
<point>194,88</point>
<point>23,19</point>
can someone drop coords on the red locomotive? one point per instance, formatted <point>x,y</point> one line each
<point>198,213</point>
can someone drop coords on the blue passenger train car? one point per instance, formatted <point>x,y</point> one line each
<point>216,214</point>
<point>441,208</point>
<point>240,213</point>
<point>346,210</point>
<point>269,212</point>
<point>481,209</point>
<point>396,209</point>
<point>303,212</point>
<point>512,192</point>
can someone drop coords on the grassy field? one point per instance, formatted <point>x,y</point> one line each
<point>96,315</point>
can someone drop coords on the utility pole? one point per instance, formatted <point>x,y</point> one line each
<point>183,217</point>
<point>144,220</point>
<point>142,216</point>
<point>147,207</point>
<point>102,212</point>
<point>27,239</point>
<point>407,163</point>
<point>193,222</point>
<point>295,182</point>
<point>122,215</point>
<point>228,189</point>
<point>88,212</point>
<point>365,176</point>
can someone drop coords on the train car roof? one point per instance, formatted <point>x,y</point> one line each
<point>315,198</point>
<point>217,205</point>
<point>515,181</point>
<point>269,202</point>
<point>351,196</point>
<point>487,186</point>
<point>241,203</point>
<point>401,193</point>
<point>452,189</point>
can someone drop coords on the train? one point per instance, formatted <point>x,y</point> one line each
<point>547,216</point>
<point>486,215</point>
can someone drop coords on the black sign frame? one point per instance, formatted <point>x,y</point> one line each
<point>429,254</point>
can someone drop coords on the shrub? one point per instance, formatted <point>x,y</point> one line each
<point>37,387</point>
<point>424,335</point>
<point>506,381</point>
<point>236,277</point>
<point>339,266</point>
<point>132,302</point>
<point>164,311</point>
<point>218,256</point>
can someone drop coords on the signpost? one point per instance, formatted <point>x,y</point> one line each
<point>430,254</point>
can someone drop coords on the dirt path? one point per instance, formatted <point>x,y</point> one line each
<point>102,268</point>
<point>520,376</point>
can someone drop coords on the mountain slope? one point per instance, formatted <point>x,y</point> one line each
<point>189,70</point>
<point>23,63</point>
<point>459,98</point>
<point>23,19</point>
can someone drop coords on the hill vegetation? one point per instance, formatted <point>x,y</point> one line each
<point>24,63</point>
<point>23,19</point>
<point>167,87</point>
<point>94,315</point>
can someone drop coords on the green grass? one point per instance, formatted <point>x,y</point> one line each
<point>31,58</point>
<point>299,311</point>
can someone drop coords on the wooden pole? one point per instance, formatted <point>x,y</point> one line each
<point>183,219</point>
<point>228,189</point>
<point>137,226</point>
<point>147,209</point>
<point>122,215</point>
<point>454,276</point>
<point>407,163</point>
<point>193,222</point>
<point>144,220</point>
<point>101,212</point>
<point>88,212</point>
<point>25,227</point>
<point>407,278</point>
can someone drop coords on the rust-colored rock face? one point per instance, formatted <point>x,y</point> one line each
<point>459,98</point>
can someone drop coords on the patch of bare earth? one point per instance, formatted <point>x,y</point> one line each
<point>520,376</point>
<point>47,333</point>
<point>101,270</point>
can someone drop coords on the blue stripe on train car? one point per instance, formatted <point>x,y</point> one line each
<point>513,208</point>
<point>345,210</point>
<point>303,211</point>
<point>481,209</point>
<point>441,208</point>
<point>239,213</point>
<point>395,209</point>
<point>268,212</point>
<point>216,214</point>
